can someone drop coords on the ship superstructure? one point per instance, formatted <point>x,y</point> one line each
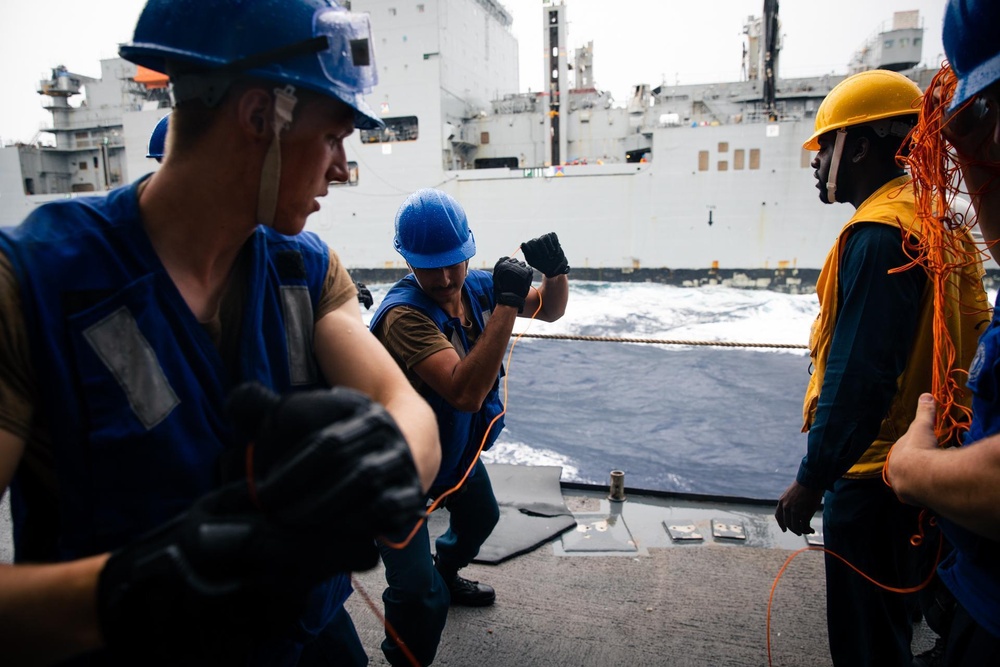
<point>680,183</point>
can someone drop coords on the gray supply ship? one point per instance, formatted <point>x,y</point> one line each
<point>685,184</point>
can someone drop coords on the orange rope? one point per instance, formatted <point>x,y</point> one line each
<point>412,659</point>
<point>945,247</point>
<point>916,541</point>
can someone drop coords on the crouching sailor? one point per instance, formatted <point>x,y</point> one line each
<point>448,328</point>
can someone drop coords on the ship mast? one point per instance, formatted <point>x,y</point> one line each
<point>771,48</point>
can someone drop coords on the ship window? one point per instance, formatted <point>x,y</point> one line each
<point>887,43</point>
<point>723,146</point>
<point>401,128</point>
<point>723,165</point>
<point>484,137</point>
<point>495,163</point>
<point>83,166</point>
<point>702,160</point>
<point>738,156</point>
<point>903,42</point>
<point>755,158</point>
<point>639,155</point>
<point>95,162</point>
<point>352,175</point>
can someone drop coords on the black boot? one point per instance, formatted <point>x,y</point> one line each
<point>464,592</point>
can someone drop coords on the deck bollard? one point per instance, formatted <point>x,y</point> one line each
<point>617,492</point>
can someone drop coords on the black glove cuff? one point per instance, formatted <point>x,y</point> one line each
<point>511,299</point>
<point>560,270</point>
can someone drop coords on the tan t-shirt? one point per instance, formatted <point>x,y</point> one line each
<point>410,337</point>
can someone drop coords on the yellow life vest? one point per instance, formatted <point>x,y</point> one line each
<point>893,204</point>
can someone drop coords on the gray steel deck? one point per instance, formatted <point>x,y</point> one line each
<point>667,604</point>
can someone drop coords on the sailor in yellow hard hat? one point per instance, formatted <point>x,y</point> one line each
<point>872,349</point>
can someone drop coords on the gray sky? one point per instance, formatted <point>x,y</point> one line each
<point>635,41</point>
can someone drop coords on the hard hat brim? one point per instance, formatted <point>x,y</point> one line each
<point>975,81</point>
<point>442,259</point>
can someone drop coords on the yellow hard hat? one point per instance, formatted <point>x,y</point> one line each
<point>863,98</point>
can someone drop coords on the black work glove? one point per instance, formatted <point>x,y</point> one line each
<point>546,255</point>
<point>365,296</point>
<point>318,453</point>
<point>329,472</point>
<point>212,581</point>
<point>511,282</point>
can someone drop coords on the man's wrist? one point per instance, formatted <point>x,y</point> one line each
<point>809,480</point>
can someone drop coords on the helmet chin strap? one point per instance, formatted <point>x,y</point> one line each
<point>831,179</point>
<point>270,173</point>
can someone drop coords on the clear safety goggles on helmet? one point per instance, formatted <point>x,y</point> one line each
<point>341,41</point>
<point>349,59</point>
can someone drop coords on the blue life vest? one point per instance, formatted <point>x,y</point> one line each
<point>972,569</point>
<point>132,388</point>
<point>460,432</point>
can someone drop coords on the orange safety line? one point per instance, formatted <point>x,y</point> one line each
<point>915,540</point>
<point>388,626</point>
<point>945,248</point>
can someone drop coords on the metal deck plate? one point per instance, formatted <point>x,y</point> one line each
<point>598,532</point>
<point>728,529</point>
<point>681,531</point>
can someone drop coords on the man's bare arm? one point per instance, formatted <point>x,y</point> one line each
<point>465,382</point>
<point>553,294</point>
<point>47,612</point>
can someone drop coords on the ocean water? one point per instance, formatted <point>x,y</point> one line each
<point>687,418</point>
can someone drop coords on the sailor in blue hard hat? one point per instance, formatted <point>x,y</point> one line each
<point>448,327</point>
<point>211,439</point>
<point>971,45</point>
<point>158,139</point>
<point>306,47</point>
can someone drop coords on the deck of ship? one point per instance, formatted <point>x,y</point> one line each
<point>667,604</point>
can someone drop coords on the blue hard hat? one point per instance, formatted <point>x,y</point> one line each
<point>432,230</point>
<point>315,44</point>
<point>158,139</point>
<point>972,45</point>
